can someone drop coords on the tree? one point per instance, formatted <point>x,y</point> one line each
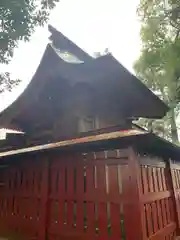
<point>6,83</point>
<point>18,21</point>
<point>158,64</point>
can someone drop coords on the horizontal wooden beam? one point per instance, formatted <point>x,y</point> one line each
<point>155,196</point>
<point>104,136</point>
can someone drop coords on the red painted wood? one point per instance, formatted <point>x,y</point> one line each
<point>54,173</point>
<point>115,220</point>
<point>159,202</point>
<point>150,180</point>
<point>69,190</point>
<point>150,197</point>
<point>178,178</point>
<point>171,207</point>
<point>61,195</point>
<point>70,215</point>
<point>134,195</point>
<point>168,211</point>
<point>164,232</point>
<point>159,177</point>
<point>80,216</point>
<point>149,220</point>
<point>164,214</point>
<point>90,206</point>
<point>144,180</point>
<point>102,220</point>
<point>163,179</point>
<point>101,180</point>
<point>80,194</point>
<point>44,186</point>
<point>155,179</point>
<point>113,181</point>
<point>173,202</point>
<point>91,220</point>
<point>155,217</point>
<point>70,194</point>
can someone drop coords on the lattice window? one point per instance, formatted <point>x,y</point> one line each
<point>86,124</point>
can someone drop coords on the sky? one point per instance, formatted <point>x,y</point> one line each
<point>92,24</point>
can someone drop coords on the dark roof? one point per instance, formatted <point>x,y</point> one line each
<point>105,74</point>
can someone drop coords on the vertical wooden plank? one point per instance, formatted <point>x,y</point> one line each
<point>33,213</point>
<point>70,194</point>
<point>80,196</point>
<point>149,219</point>
<point>164,216</point>
<point>173,203</point>
<point>53,181</point>
<point>29,199</point>
<point>21,204</point>
<point>155,217</point>
<point>61,194</point>
<point>115,221</point>
<point>163,179</point>
<point>102,206</point>
<point>171,207</point>
<point>150,179</point>
<point>70,214</point>
<point>141,183</point>
<point>159,211</point>
<point>35,181</point>
<point>102,220</point>
<point>128,215</point>
<point>168,211</point>
<point>178,178</point>
<point>35,216</point>
<point>70,180</point>
<point>144,179</point>
<point>155,179</point>
<point>133,207</point>
<point>177,182</point>
<point>175,178</point>
<point>91,218</point>
<point>44,198</point>
<point>159,177</point>
<point>114,190</point>
<point>10,200</point>
<point>113,186</point>
<point>101,180</point>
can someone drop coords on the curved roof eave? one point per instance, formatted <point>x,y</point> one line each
<point>35,86</point>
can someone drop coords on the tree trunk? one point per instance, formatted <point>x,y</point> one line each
<point>174,132</point>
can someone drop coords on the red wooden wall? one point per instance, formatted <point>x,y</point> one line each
<point>158,207</point>
<point>113,194</point>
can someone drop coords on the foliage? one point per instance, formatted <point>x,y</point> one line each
<point>7,83</point>
<point>158,64</point>
<point>18,20</point>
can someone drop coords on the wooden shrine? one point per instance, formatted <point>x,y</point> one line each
<point>82,170</point>
<point>70,95</point>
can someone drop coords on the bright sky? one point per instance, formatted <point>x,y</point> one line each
<point>92,24</point>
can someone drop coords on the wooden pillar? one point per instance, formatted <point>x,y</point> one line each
<point>44,198</point>
<point>136,230</point>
